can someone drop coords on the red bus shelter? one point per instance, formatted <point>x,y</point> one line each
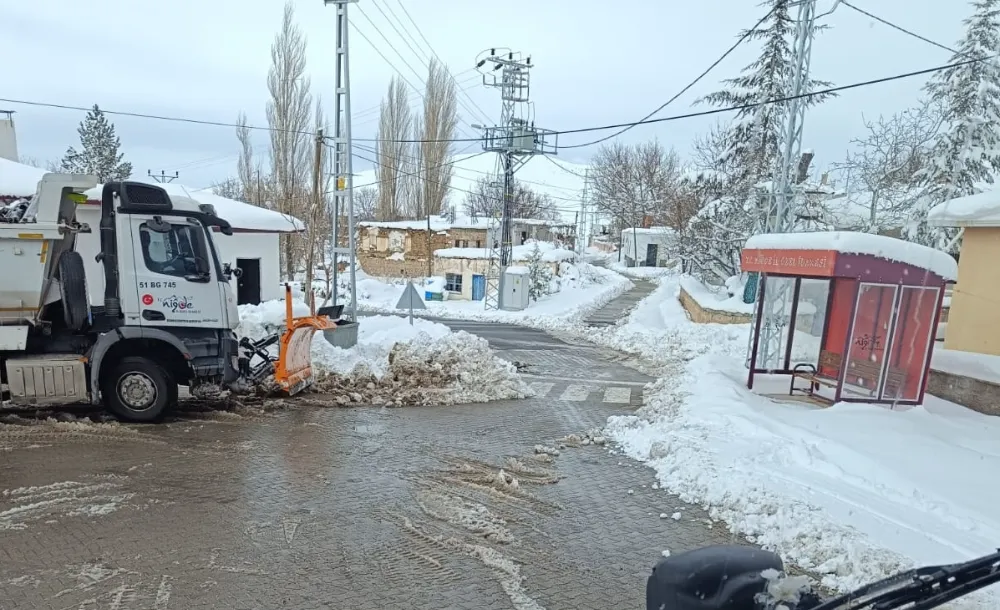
<point>857,313</point>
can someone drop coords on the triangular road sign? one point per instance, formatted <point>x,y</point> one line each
<point>411,298</point>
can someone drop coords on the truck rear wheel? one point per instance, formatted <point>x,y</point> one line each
<point>138,390</point>
<point>73,289</point>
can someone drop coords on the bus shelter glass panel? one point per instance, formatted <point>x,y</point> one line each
<point>810,320</point>
<point>773,340</point>
<point>914,330</point>
<point>867,353</point>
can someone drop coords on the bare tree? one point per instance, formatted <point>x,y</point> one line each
<point>395,126</point>
<point>485,200</point>
<point>229,188</point>
<point>365,201</point>
<point>438,129</point>
<point>637,185</point>
<point>886,162</point>
<point>288,116</point>
<point>247,170</point>
<point>319,221</point>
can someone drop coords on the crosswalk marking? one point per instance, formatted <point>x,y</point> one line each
<point>618,395</point>
<point>541,388</point>
<point>575,393</point>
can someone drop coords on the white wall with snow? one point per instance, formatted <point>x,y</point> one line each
<point>263,246</point>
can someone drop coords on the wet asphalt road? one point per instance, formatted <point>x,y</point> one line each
<point>303,507</point>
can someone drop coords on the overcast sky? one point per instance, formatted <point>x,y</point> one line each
<point>597,63</point>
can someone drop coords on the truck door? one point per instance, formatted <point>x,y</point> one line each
<point>175,279</point>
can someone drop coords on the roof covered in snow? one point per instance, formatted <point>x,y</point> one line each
<point>849,242</point>
<point>979,210</point>
<point>18,179</point>
<point>649,231</point>
<point>240,215</point>
<point>550,253</point>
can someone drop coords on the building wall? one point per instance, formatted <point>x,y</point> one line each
<point>8,141</point>
<point>263,246</point>
<point>972,319</point>
<point>666,241</point>
<point>467,267</point>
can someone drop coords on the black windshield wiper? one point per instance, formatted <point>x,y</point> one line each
<point>924,588</point>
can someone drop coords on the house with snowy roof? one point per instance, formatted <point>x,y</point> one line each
<point>253,247</point>
<point>406,248</point>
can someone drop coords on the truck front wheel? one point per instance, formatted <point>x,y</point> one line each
<point>138,389</point>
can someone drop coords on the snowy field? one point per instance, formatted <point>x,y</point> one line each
<point>395,363</point>
<point>583,288</point>
<point>854,492</point>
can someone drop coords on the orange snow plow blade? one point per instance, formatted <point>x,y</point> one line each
<point>294,367</point>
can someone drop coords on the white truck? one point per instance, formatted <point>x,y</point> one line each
<point>168,316</point>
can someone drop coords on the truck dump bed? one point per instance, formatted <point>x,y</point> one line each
<point>28,250</point>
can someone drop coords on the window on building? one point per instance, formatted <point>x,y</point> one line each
<point>524,237</point>
<point>453,282</point>
<point>173,252</point>
<point>479,244</point>
<point>461,243</point>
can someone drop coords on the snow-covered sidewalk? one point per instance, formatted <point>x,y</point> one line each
<point>395,363</point>
<point>854,492</point>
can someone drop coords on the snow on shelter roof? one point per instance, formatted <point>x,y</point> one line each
<point>849,242</point>
<point>242,216</point>
<point>979,210</point>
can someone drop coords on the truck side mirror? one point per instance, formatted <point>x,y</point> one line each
<point>202,271</point>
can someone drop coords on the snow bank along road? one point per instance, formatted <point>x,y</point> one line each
<point>305,507</point>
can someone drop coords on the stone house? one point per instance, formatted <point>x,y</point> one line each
<point>403,248</point>
<point>465,269</point>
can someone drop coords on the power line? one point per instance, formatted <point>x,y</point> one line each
<point>395,50</point>
<point>900,28</point>
<point>567,170</point>
<point>482,113</point>
<point>386,39</point>
<point>676,117</point>
<point>372,150</point>
<point>448,186</point>
<point>711,67</point>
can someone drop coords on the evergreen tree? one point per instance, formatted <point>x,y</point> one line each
<point>967,151</point>
<point>539,274</point>
<point>98,154</point>
<point>753,138</point>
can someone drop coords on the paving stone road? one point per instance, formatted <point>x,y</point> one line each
<point>304,507</point>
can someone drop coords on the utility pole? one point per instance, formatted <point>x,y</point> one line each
<point>780,217</point>
<point>582,240</point>
<point>516,140</point>
<point>343,199</point>
<point>316,213</point>
<point>162,176</point>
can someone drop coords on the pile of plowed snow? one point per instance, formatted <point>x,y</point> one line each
<point>398,364</point>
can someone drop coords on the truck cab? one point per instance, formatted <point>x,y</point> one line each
<point>168,314</point>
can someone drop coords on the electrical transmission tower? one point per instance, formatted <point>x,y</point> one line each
<point>343,198</point>
<point>515,140</point>
<point>162,176</point>
<point>780,217</point>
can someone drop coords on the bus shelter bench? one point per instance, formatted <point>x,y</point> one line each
<point>870,371</point>
<point>807,371</point>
